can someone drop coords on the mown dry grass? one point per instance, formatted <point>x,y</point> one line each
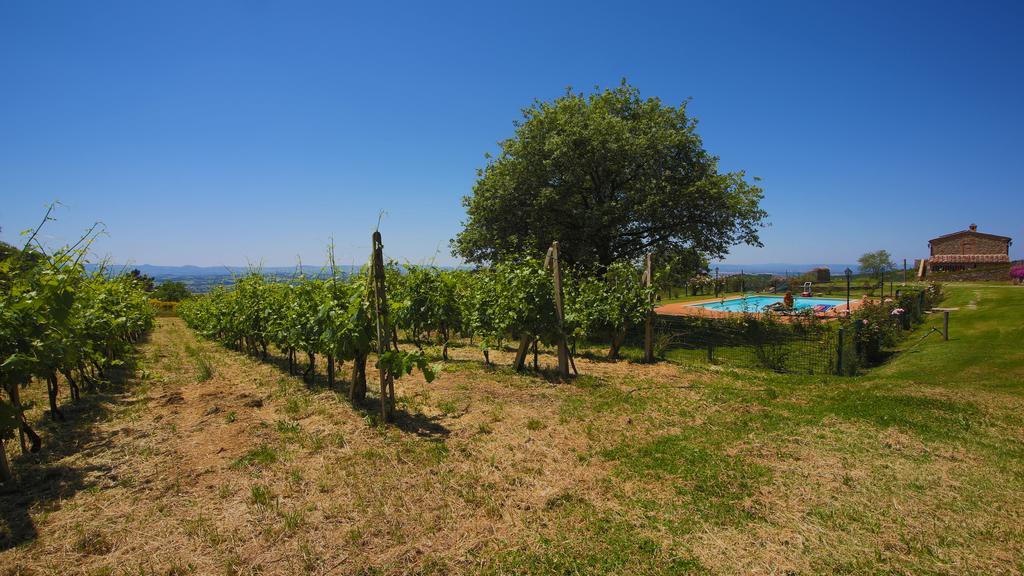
<point>212,462</point>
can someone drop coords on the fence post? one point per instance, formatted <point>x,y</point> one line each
<point>711,352</point>
<point>649,322</point>
<point>856,333</point>
<point>387,382</point>
<point>839,355</point>
<point>945,324</point>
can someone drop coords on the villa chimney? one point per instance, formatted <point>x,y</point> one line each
<point>974,227</point>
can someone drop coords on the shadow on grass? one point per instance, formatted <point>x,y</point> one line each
<point>413,423</point>
<point>43,480</point>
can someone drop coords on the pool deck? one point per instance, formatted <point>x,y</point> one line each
<point>692,308</point>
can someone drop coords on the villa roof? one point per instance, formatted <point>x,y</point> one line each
<point>972,232</point>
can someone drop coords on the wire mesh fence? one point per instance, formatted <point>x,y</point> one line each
<point>805,347</point>
<point>794,344</point>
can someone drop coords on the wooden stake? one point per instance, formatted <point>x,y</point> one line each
<point>524,348</point>
<point>552,260</point>
<point>387,382</point>
<point>648,281</point>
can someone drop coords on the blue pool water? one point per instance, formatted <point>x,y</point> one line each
<point>758,303</point>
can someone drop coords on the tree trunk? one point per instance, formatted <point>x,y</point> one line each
<point>5,468</point>
<point>310,374</point>
<point>524,347</point>
<point>98,369</point>
<point>23,429</point>
<point>536,365</point>
<point>90,384</point>
<point>330,370</point>
<point>52,391</point>
<point>72,385</point>
<point>357,391</point>
<point>617,339</point>
<point>291,362</point>
<point>487,357</point>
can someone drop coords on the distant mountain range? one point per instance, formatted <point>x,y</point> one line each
<point>780,268</point>
<point>189,271</point>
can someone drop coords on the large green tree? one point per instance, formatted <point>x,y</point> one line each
<point>171,292</point>
<point>611,176</point>
<point>876,263</point>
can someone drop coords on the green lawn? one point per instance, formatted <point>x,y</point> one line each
<point>914,467</point>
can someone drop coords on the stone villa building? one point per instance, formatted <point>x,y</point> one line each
<point>967,249</point>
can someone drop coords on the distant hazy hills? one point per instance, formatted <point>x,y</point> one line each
<point>161,272</point>
<point>780,268</point>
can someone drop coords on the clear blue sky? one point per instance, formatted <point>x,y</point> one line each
<point>220,132</point>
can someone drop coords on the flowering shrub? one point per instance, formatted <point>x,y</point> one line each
<point>877,329</point>
<point>1017,273</point>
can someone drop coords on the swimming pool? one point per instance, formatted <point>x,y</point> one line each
<point>758,303</point>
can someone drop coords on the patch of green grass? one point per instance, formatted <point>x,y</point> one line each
<point>929,418</point>
<point>422,452</point>
<point>448,407</point>
<point>705,480</point>
<point>261,495</point>
<point>534,424</point>
<point>292,520</point>
<point>264,455</point>
<point>202,528</point>
<point>296,404</point>
<point>231,417</point>
<point>601,397</point>
<point>579,538</point>
<point>287,428</point>
<point>203,369</point>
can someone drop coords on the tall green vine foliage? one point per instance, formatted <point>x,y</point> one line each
<point>330,317</point>
<point>59,323</point>
<point>605,306</point>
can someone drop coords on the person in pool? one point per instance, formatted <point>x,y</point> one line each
<point>787,300</point>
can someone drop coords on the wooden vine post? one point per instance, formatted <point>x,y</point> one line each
<point>380,303</point>
<point>648,281</point>
<point>552,262</point>
<point>5,467</point>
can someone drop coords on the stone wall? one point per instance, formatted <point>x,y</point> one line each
<point>983,272</point>
<point>969,243</point>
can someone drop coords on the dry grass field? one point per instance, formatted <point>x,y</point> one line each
<point>207,461</point>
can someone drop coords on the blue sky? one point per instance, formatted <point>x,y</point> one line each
<point>223,132</point>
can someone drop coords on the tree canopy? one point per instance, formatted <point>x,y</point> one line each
<point>171,292</point>
<point>876,263</point>
<point>611,176</point>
